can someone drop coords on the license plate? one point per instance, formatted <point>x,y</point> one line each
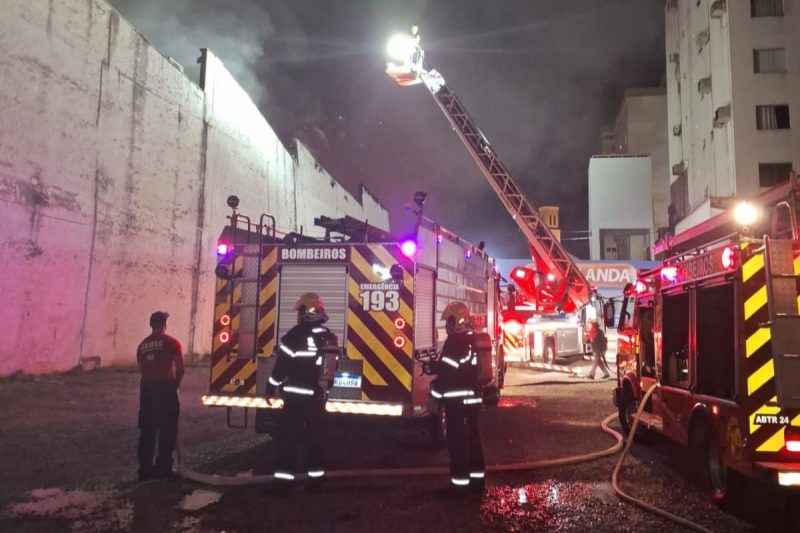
<point>350,382</point>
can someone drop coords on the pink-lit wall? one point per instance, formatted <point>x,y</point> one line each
<point>114,169</point>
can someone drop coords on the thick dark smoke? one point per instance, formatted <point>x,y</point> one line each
<point>541,78</point>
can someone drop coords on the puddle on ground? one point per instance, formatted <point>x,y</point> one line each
<point>199,499</point>
<point>69,504</point>
<point>551,505</point>
<point>516,401</point>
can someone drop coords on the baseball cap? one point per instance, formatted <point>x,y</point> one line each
<point>158,319</point>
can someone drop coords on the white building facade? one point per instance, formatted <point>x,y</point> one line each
<point>620,209</point>
<point>629,182</point>
<point>733,91</point>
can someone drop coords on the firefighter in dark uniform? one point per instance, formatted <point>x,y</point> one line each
<point>459,386</point>
<point>304,360</point>
<point>160,359</point>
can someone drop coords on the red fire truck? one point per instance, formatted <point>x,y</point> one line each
<point>717,328</point>
<point>384,296</point>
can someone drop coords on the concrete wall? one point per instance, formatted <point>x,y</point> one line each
<point>114,169</point>
<point>613,182</point>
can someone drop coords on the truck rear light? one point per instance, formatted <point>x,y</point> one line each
<point>222,248</point>
<point>224,337</point>
<point>789,479</point>
<point>399,341</point>
<point>792,439</point>
<point>641,288</point>
<point>512,327</point>
<point>225,320</point>
<point>400,323</point>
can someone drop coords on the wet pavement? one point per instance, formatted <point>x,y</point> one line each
<point>70,463</point>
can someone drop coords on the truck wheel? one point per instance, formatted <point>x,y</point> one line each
<point>627,411</point>
<point>709,469</point>
<point>437,429</point>
<point>491,396</point>
<point>549,354</point>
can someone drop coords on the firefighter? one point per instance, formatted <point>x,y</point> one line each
<point>459,386</point>
<point>297,372</point>
<point>599,346</point>
<point>160,359</point>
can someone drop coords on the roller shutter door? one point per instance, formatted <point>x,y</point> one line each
<point>329,281</point>
<point>424,310</point>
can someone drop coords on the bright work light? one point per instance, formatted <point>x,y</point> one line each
<point>745,214</point>
<point>401,47</point>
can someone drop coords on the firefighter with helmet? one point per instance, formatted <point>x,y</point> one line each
<point>462,372</point>
<point>303,362</point>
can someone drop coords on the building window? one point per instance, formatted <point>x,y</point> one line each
<point>767,60</point>
<point>627,244</point>
<point>771,174</point>
<point>772,117</point>
<point>766,8</point>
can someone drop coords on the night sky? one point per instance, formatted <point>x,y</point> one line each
<point>540,77</point>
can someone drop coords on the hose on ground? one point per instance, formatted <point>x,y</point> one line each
<point>635,501</point>
<point>229,481</point>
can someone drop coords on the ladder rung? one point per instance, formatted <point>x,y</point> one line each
<point>787,315</point>
<point>785,276</point>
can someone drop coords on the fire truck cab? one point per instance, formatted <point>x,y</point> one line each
<point>384,297</point>
<point>717,329</point>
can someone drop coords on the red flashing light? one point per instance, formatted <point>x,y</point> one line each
<point>715,409</point>
<point>439,238</point>
<point>641,288</point>
<point>729,259</point>
<point>222,248</point>
<point>399,341</point>
<point>519,273</point>
<point>669,273</point>
<point>224,337</point>
<point>468,253</point>
<point>225,320</point>
<point>400,323</point>
<point>512,326</point>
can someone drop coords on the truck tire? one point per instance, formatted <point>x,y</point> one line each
<point>708,466</point>
<point>491,396</point>
<point>628,407</point>
<point>437,429</point>
<point>549,352</point>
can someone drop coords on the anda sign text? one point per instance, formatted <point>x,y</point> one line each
<point>608,274</point>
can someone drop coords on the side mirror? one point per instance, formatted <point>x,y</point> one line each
<point>608,314</point>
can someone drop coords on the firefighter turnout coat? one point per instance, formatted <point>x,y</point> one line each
<point>459,386</point>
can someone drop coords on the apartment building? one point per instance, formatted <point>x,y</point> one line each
<point>733,93</point>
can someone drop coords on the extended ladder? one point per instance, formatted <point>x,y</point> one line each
<point>572,285</point>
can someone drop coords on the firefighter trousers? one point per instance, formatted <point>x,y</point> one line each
<point>158,420</point>
<point>464,443</point>
<point>302,422</point>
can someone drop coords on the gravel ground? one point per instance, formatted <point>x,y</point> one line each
<point>68,443</point>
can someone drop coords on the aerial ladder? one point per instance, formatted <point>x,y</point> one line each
<point>407,67</point>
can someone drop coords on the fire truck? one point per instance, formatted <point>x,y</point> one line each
<point>384,297</point>
<point>558,284</point>
<point>717,328</point>
<point>534,328</point>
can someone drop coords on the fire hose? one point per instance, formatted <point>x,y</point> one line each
<point>621,444</point>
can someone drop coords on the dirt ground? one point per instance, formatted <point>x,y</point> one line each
<point>69,441</point>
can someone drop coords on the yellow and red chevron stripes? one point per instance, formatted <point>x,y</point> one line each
<point>511,341</point>
<point>268,298</point>
<point>372,332</point>
<point>758,367</point>
<point>230,374</point>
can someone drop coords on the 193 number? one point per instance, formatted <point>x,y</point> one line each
<point>380,300</point>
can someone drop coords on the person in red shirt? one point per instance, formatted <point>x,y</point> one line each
<point>160,359</point>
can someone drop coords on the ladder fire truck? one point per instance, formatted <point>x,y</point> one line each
<point>717,328</point>
<point>566,290</point>
<point>384,297</point>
